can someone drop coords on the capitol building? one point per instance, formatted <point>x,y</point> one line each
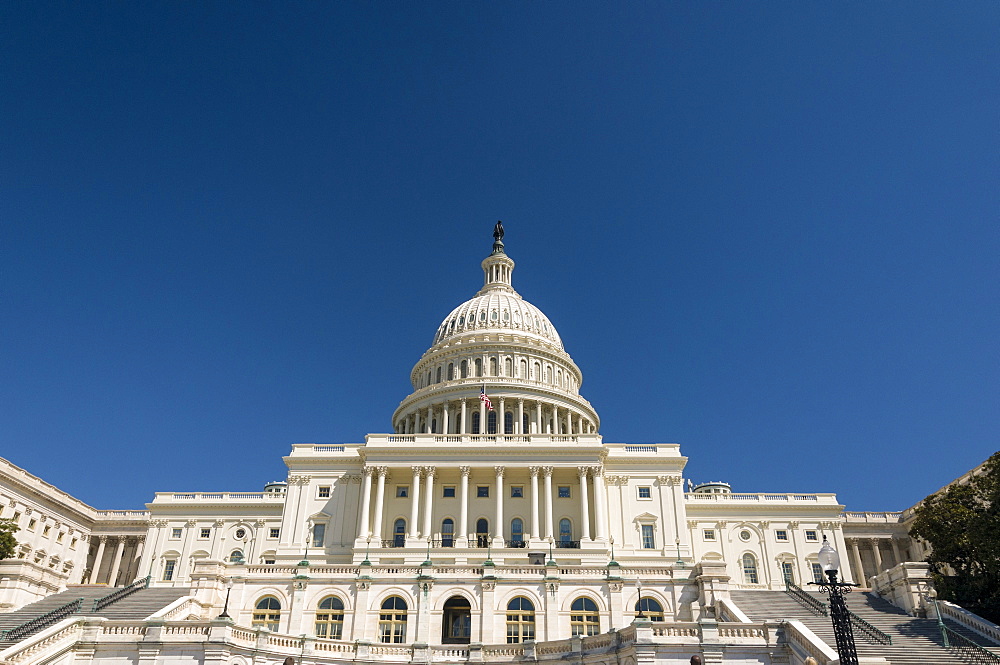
<point>493,523</point>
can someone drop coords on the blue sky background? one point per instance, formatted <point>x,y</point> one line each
<point>765,231</point>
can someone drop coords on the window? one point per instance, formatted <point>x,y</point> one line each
<point>175,533</point>
<point>16,517</point>
<point>648,543</point>
<point>508,423</point>
<point>649,608</point>
<point>392,621</point>
<point>464,368</point>
<point>269,562</point>
<point>564,492</point>
<point>323,491</point>
<point>449,491</point>
<point>483,491</point>
<point>491,422</point>
<point>168,569</point>
<point>811,536</point>
<point>517,491</point>
<point>750,569</point>
<point>708,534</point>
<point>204,533</point>
<point>482,532</point>
<point>817,571</point>
<point>236,556</point>
<point>475,423</point>
<point>267,614</point>
<point>319,535</point>
<point>781,535</point>
<point>479,361</point>
<point>60,536</point>
<point>399,533</point>
<point>274,532</point>
<point>448,533</point>
<point>45,531</point>
<point>32,523</point>
<point>565,532</point>
<point>330,618</point>
<point>583,618</point>
<point>72,544</point>
<point>645,492</point>
<point>745,535</point>
<point>517,532</point>
<point>787,574</point>
<point>493,361</point>
<point>402,491</point>
<point>520,621</point>
<point>438,375</point>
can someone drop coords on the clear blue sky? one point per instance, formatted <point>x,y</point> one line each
<point>766,231</point>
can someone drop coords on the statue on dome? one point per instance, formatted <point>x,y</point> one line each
<point>498,231</point>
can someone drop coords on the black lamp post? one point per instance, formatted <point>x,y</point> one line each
<point>841,617</point>
<point>638,585</point>
<point>225,608</point>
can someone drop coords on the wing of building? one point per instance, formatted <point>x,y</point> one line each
<point>493,523</point>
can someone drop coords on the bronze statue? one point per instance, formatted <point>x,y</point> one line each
<point>498,232</point>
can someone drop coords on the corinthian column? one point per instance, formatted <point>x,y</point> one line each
<point>429,472</point>
<point>415,500</point>
<point>463,511</point>
<point>364,516</point>
<point>582,471</point>
<point>535,524</point>
<point>601,504</point>
<point>547,471</point>
<point>499,531</point>
<point>379,503</point>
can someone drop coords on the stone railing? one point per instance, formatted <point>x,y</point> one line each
<point>182,608</point>
<point>830,499</point>
<point>904,585</point>
<point>877,518</point>
<point>805,643</point>
<point>727,610</point>
<point>418,440</point>
<point>52,639</point>
<point>170,497</point>
<point>973,622</point>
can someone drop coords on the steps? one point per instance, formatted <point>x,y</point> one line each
<point>914,641</point>
<point>138,605</point>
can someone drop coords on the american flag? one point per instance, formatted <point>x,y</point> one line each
<point>483,397</point>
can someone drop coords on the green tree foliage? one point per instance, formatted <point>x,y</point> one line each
<point>962,525</point>
<point>8,543</point>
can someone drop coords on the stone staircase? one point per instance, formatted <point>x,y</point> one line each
<point>914,641</point>
<point>138,605</point>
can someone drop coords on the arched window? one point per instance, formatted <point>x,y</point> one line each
<point>537,374</point>
<point>434,426</point>
<point>524,369</point>
<point>451,371</point>
<point>559,378</point>
<point>464,368</point>
<point>508,423</point>
<point>649,608</point>
<point>482,532</point>
<point>750,569</point>
<point>508,367</point>
<point>267,614</point>
<point>517,532</point>
<point>475,423</point>
<point>520,621</point>
<point>479,366</point>
<point>236,556</point>
<point>438,375</point>
<point>448,533</point>
<point>491,422</point>
<point>583,617</point>
<point>493,366</point>
<point>787,572</point>
<point>524,424</point>
<point>565,532</point>
<point>392,621</point>
<point>330,618</point>
<point>399,533</point>
<point>548,375</point>
<point>482,315</point>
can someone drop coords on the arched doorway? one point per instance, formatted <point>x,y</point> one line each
<point>456,622</point>
<point>482,532</point>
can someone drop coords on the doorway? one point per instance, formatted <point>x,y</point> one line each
<point>456,623</point>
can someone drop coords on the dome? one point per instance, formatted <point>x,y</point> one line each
<point>498,311</point>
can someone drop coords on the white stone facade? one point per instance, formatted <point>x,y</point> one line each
<point>464,526</point>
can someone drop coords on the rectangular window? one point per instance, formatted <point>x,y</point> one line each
<point>811,536</point>
<point>483,491</point>
<point>168,569</point>
<point>709,534</point>
<point>645,492</point>
<point>268,562</point>
<point>205,533</point>
<point>31,525</point>
<point>564,491</point>
<point>402,491</point>
<point>781,535</point>
<point>175,533</point>
<point>449,491</point>
<point>647,537</point>
<point>72,544</point>
<point>323,491</point>
<point>319,535</point>
<point>817,571</point>
<point>517,491</point>
<point>786,572</point>
<point>45,531</point>
<point>59,538</point>
<point>274,532</point>
<point>16,517</point>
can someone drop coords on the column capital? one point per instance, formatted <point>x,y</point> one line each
<point>499,471</point>
<point>367,470</point>
<point>382,470</point>
<point>430,471</point>
<point>547,471</point>
<point>584,471</point>
<point>533,471</point>
<point>465,470</point>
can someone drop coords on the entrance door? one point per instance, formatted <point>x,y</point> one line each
<point>456,625</point>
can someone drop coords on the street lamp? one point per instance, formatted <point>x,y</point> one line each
<point>638,585</point>
<point>839,614</point>
<point>932,594</point>
<point>225,607</point>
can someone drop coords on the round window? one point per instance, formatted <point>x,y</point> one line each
<point>744,535</point>
<point>241,533</point>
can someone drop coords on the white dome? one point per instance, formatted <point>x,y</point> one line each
<point>499,311</point>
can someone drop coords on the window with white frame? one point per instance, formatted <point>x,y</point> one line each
<point>817,571</point>
<point>204,533</point>
<point>402,491</point>
<point>168,569</point>
<point>648,541</point>
<point>175,533</point>
<point>323,491</point>
<point>273,532</point>
<point>750,569</point>
<point>811,536</point>
<point>781,535</point>
<point>708,534</point>
<point>645,492</point>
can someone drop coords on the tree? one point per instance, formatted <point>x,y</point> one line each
<point>962,525</point>
<point>8,543</point>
